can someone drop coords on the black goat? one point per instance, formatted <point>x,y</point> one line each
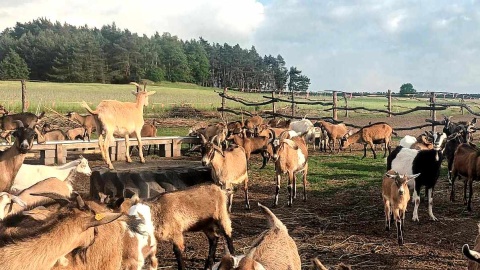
<point>426,162</point>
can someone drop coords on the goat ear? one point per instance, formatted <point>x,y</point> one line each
<point>291,143</point>
<point>135,199</point>
<point>317,265</point>
<point>39,213</point>
<point>390,175</point>
<point>101,219</point>
<point>18,201</point>
<point>411,177</point>
<point>54,196</point>
<point>149,93</point>
<point>213,138</point>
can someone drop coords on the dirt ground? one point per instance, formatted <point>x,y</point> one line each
<point>346,226</point>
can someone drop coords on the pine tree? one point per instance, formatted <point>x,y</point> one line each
<point>13,67</point>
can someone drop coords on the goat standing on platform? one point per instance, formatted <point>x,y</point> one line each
<point>120,118</point>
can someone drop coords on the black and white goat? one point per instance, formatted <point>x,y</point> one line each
<point>426,162</point>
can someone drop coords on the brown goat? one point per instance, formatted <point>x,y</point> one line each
<point>228,167</point>
<point>473,255</point>
<point>77,133</point>
<point>52,135</point>
<point>273,249</point>
<point>466,163</point>
<point>254,145</point>
<point>334,131</point>
<point>371,134</point>
<point>61,233</point>
<point>120,118</point>
<point>8,122</point>
<point>12,158</point>
<point>279,123</point>
<point>252,124</point>
<point>87,122</point>
<point>198,208</point>
<point>291,157</point>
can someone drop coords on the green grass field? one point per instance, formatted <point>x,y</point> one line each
<point>64,97</point>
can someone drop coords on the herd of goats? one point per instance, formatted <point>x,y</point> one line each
<point>45,224</point>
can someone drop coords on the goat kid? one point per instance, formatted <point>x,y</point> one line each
<point>396,195</point>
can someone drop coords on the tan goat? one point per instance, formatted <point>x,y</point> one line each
<point>228,167</point>
<point>252,124</point>
<point>473,255</point>
<point>61,233</point>
<point>291,157</point>
<point>12,158</point>
<point>87,122</point>
<point>122,119</point>
<point>335,132</point>
<point>116,246</point>
<point>198,208</point>
<point>77,133</point>
<point>256,145</point>
<point>396,195</point>
<point>371,134</point>
<point>273,249</point>
<point>53,135</point>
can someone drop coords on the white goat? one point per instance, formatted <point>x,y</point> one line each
<point>304,126</point>
<point>396,195</point>
<point>28,175</point>
<point>122,119</point>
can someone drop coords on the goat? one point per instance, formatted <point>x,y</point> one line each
<point>87,122</point>
<point>52,135</point>
<point>252,124</point>
<point>305,127</point>
<point>120,118</point>
<point>118,245</point>
<point>421,142</point>
<point>12,158</point>
<point>459,136</point>
<point>228,167</point>
<point>450,126</point>
<point>8,122</point>
<point>77,133</point>
<point>253,145</point>
<point>371,134</point>
<point>234,128</point>
<point>465,163</point>
<point>273,249</point>
<point>291,157</point>
<point>279,123</point>
<point>197,208</point>
<point>28,174</point>
<point>148,130</point>
<point>426,162</point>
<point>219,130</point>
<point>25,197</point>
<point>61,233</point>
<point>396,195</point>
<point>334,131</point>
<point>473,255</point>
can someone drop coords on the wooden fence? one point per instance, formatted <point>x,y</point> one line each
<point>293,98</point>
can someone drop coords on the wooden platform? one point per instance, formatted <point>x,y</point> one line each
<point>56,152</point>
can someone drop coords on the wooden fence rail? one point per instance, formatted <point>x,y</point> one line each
<point>432,107</point>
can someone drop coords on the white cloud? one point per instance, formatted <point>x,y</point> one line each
<point>232,21</point>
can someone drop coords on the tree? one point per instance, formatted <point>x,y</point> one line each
<point>406,89</point>
<point>298,82</point>
<point>13,67</point>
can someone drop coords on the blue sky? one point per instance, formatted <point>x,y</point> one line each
<point>362,45</point>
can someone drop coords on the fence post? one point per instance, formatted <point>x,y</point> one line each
<point>346,104</point>
<point>273,104</point>
<point>389,104</point>
<point>223,101</point>
<point>293,105</point>
<point>334,94</point>
<point>24,96</point>
<point>463,103</point>
<point>434,113</point>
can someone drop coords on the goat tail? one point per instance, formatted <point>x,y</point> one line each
<point>41,115</point>
<point>273,221</point>
<point>471,254</point>
<point>85,105</point>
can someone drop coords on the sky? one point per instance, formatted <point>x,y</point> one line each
<point>362,45</point>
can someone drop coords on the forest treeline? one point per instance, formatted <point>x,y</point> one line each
<point>46,51</point>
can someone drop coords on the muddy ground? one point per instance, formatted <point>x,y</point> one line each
<point>347,225</point>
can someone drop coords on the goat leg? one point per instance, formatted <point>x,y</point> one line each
<point>277,189</point>
<point>178,255</point>
<point>470,194</point>
<point>212,247</point>
<point>305,171</point>
<point>245,189</point>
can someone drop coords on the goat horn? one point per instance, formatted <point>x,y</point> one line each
<point>18,201</point>
<point>62,200</point>
<point>19,123</point>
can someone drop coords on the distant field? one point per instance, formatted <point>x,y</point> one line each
<point>64,97</point>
